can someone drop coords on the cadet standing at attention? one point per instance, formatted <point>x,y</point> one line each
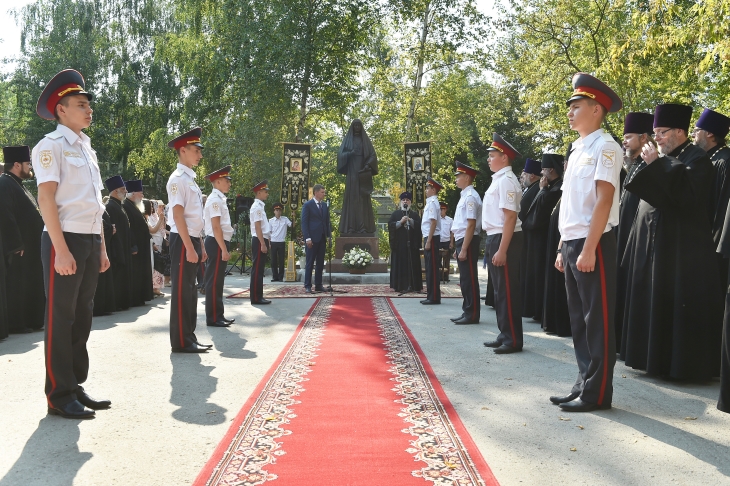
<point>72,244</point>
<point>431,231</point>
<point>218,231</point>
<point>260,235</point>
<point>186,226</point>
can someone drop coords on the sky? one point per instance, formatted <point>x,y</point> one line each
<point>10,32</point>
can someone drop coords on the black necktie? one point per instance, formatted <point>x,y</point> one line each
<point>319,206</point>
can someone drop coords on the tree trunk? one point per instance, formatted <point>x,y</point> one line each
<point>419,70</point>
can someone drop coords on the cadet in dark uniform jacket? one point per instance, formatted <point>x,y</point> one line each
<point>72,244</point>
<point>21,243</point>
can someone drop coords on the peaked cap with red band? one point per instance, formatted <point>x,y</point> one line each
<point>465,169</point>
<point>66,83</point>
<point>219,174</point>
<point>587,86</point>
<point>501,145</point>
<point>278,206</point>
<point>261,186</point>
<point>435,184</point>
<point>443,205</point>
<point>186,139</point>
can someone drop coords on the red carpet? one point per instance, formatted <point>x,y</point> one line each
<point>360,290</point>
<point>351,401</point>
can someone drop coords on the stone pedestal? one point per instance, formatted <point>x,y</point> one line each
<point>343,244</point>
<point>378,266</point>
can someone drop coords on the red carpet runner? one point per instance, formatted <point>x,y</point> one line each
<point>351,401</point>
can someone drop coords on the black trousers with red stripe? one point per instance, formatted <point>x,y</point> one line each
<point>258,265</point>
<point>591,305</point>
<point>184,302</point>
<point>432,258</point>
<point>215,275</point>
<point>469,278</point>
<point>507,289</point>
<point>69,307</point>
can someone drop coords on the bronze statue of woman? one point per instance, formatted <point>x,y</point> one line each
<point>357,160</point>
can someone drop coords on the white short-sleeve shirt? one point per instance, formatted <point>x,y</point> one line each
<point>258,213</point>
<point>278,228</point>
<point>68,159</point>
<point>469,207</point>
<point>216,207</point>
<point>182,190</point>
<point>596,157</point>
<point>503,193</point>
<point>446,222</point>
<point>431,211</point>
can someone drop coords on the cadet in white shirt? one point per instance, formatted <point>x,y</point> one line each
<point>587,250</point>
<point>260,234</point>
<point>447,241</point>
<point>218,232</point>
<point>185,200</point>
<point>504,245</point>
<point>431,231</point>
<point>72,242</point>
<point>279,225</point>
<point>466,235</point>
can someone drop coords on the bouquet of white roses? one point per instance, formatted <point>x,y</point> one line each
<point>357,258</point>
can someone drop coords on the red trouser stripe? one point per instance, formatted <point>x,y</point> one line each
<point>604,301</point>
<point>474,286</point>
<point>49,363</point>
<point>215,284</point>
<point>181,273</point>
<point>509,306</point>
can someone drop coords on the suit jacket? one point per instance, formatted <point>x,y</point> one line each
<point>315,225</point>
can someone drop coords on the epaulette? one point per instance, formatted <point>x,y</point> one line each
<point>178,172</point>
<point>607,137</point>
<point>54,135</point>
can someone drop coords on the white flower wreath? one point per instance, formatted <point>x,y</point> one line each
<point>357,258</point>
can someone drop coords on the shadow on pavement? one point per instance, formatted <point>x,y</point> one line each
<point>51,455</point>
<point>230,344</point>
<point>192,385</point>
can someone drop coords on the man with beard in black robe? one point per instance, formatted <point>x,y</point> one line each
<point>121,255</point>
<point>104,297</point>
<point>673,312</point>
<point>404,229</point>
<point>709,134</point>
<point>723,403</point>
<point>358,161</point>
<point>531,180</point>
<point>638,131</point>
<point>535,227</point>
<point>4,324</point>
<point>141,249</point>
<point>25,291</point>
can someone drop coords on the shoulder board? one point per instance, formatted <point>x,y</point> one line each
<point>607,137</point>
<point>178,172</point>
<point>54,135</point>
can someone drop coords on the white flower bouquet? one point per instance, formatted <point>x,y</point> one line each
<point>357,258</point>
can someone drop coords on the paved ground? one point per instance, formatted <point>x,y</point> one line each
<point>170,410</point>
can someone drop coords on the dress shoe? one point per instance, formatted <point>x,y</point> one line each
<point>307,290</point>
<point>204,345</point>
<point>466,320</point>
<point>191,348</point>
<point>579,405</point>
<point>492,344</point>
<point>504,349</point>
<point>72,410</point>
<point>454,319</point>
<point>219,324</point>
<point>429,302</point>
<point>91,403</point>
<point>261,302</point>
<point>567,398</point>
<point>229,321</point>
<point>320,289</point>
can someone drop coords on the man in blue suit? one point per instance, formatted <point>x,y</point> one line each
<point>316,230</point>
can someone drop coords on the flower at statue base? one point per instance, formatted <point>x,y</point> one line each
<point>357,258</point>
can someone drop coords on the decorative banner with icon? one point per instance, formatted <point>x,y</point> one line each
<point>295,174</point>
<point>417,168</point>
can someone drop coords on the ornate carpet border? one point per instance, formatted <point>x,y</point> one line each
<point>442,441</point>
<point>249,444</point>
<point>296,291</point>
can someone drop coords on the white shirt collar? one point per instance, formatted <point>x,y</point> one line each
<point>186,170</point>
<point>501,172</point>
<point>589,139</point>
<point>70,135</point>
<point>467,189</point>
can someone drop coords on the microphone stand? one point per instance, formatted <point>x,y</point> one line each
<point>409,290</point>
<point>330,289</point>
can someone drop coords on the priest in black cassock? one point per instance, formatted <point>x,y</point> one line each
<point>638,131</point>
<point>141,248</point>
<point>709,134</point>
<point>555,317</point>
<point>104,303</point>
<point>535,226</point>
<point>121,254</point>
<point>404,228</point>
<point>673,312</point>
<point>531,179</point>
<point>3,302</point>
<point>22,230</point>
